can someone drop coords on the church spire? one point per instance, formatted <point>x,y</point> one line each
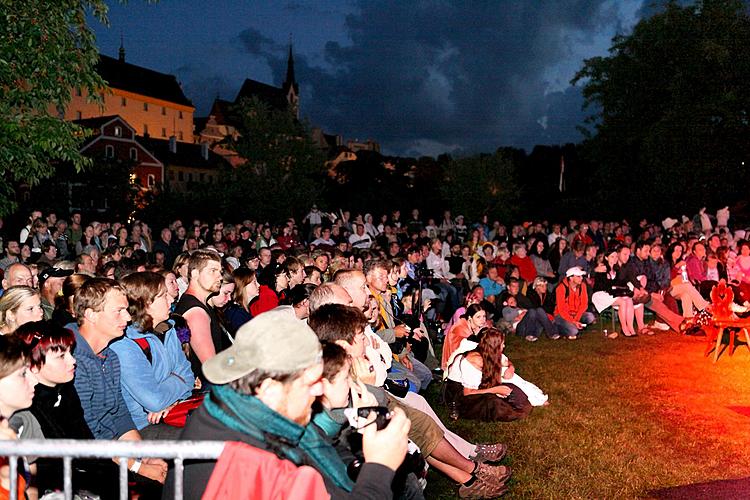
<point>290,81</point>
<point>122,49</point>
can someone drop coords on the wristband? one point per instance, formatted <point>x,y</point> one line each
<point>136,466</point>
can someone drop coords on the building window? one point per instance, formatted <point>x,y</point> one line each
<point>180,115</point>
<point>180,176</point>
<point>78,92</point>
<point>124,102</point>
<point>179,134</point>
<point>203,176</point>
<point>118,131</point>
<point>79,115</point>
<point>163,110</point>
<point>109,151</point>
<point>211,179</point>
<point>133,154</point>
<point>171,175</point>
<point>163,132</point>
<point>145,129</point>
<point>145,106</point>
<point>150,180</point>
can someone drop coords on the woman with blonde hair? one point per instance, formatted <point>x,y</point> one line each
<point>19,305</point>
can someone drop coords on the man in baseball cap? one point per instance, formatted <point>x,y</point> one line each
<point>50,283</point>
<point>265,385</point>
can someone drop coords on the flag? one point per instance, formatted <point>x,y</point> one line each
<point>562,174</point>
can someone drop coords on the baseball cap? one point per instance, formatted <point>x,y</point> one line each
<point>53,272</point>
<point>575,271</point>
<point>272,341</point>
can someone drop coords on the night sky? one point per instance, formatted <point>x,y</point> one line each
<point>419,77</point>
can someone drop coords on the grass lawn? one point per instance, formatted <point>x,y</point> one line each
<point>628,417</point>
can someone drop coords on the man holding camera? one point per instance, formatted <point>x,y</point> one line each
<point>400,337</point>
<point>265,385</point>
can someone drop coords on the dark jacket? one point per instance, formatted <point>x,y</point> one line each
<point>548,304</point>
<point>604,283</point>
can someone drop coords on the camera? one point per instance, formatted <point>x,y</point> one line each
<point>382,416</point>
<point>423,272</point>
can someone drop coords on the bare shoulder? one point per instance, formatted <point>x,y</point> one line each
<point>475,359</point>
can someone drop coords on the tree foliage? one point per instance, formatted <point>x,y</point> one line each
<point>283,175</point>
<point>46,50</point>
<point>483,184</point>
<point>671,111</point>
<point>377,184</point>
<point>106,185</point>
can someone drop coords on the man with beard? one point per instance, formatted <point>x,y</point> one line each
<point>206,334</point>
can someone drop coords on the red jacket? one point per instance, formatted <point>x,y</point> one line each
<point>265,301</point>
<point>525,267</point>
<point>243,471</point>
<point>570,305</point>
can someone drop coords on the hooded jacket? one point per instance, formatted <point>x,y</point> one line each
<point>150,386</point>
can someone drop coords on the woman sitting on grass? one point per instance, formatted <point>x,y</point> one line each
<point>482,383</point>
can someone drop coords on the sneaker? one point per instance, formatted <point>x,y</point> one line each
<point>497,473</point>
<point>531,338</point>
<point>482,489</point>
<point>572,337</point>
<point>554,337</point>
<point>661,326</point>
<point>489,482</point>
<point>489,453</point>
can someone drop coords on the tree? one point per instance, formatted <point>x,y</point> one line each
<point>482,184</point>
<point>46,50</point>
<point>283,175</point>
<point>671,111</point>
<point>106,186</point>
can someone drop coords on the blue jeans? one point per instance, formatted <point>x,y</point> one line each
<point>536,321</point>
<point>569,329</point>
<point>419,378</point>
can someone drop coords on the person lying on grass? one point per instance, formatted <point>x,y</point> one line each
<point>482,383</point>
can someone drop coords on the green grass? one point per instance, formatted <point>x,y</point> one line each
<point>627,417</point>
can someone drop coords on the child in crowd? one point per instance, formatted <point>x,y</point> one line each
<point>16,393</point>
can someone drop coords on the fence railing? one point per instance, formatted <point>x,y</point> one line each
<point>69,449</point>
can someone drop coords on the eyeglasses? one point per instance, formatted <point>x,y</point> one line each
<point>382,416</point>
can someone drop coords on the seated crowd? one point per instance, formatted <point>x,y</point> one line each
<point>307,347</point>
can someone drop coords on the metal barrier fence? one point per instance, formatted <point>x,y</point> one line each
<point>68,449</point>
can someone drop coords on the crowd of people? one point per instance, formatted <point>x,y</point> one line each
<point>307,346</point>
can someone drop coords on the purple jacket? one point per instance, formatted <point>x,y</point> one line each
<point>696,269</point>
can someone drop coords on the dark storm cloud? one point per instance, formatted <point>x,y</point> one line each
<point>256,43</point>
<point>432,76</point>
<point>202,89</point>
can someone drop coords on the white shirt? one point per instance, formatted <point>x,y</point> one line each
<point>380,358</point>
<point>363,241</point>
<point>437,264</point>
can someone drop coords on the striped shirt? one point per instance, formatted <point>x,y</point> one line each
<point>97,382</point>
